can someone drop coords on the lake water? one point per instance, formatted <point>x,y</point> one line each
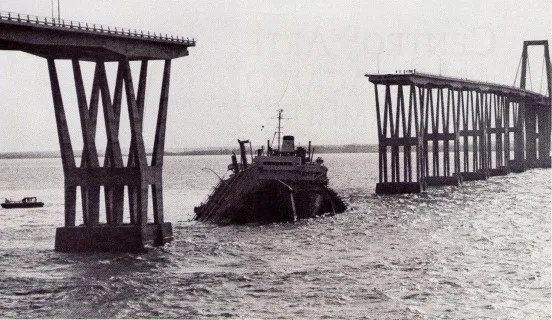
<point>479,251</point>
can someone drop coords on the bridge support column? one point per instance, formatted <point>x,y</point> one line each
<point>537,129</point>
<point>544,122</point>
<point>400,128</point>
<point>472,128</point>
<point>114,234</point>
<point>496,114</point>
<point>440,124</point>
<point>531,136</point>
<point>495,129</point>
<point>536,116</point>
<point>518,117</point>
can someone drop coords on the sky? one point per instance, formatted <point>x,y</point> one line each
<point>254,57</point>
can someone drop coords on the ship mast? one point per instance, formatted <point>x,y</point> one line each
<point>279,126</point>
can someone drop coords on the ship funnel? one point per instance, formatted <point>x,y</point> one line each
<point>288,144</point>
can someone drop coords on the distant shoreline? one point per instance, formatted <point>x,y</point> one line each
<point>321,149</point>
<point>351,148</point>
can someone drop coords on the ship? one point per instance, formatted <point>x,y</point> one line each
<point>27,202</point>
<point>278,185</point>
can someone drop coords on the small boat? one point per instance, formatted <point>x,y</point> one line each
<point>281,184</point>
<point>27,202</point>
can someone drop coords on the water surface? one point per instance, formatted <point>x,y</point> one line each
<point>480,251</point>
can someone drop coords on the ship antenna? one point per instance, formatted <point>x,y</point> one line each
<point>279,126</point>
<point>273,137</point>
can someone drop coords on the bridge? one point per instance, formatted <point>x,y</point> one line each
<point>451,130</point>
<point>55,39</point>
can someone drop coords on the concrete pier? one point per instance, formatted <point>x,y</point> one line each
<point>461,130</point>
<point>57,40</point>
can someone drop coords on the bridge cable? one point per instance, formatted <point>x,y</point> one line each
<point>542,74</point>
<point>283,94</point>
<point>517,71</point>
<point>529,71</point>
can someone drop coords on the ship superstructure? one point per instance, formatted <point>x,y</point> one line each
<point>279,184</point>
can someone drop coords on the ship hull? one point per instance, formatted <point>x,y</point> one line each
<point>274,201</point>
<point>21,205</point>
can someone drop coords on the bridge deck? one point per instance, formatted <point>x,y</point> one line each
<point>61,39</point>
<point>430,80</point>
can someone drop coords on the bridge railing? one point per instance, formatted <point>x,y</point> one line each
<point>479,82</point>
<point>465,80</point>
<point>91,27</point>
